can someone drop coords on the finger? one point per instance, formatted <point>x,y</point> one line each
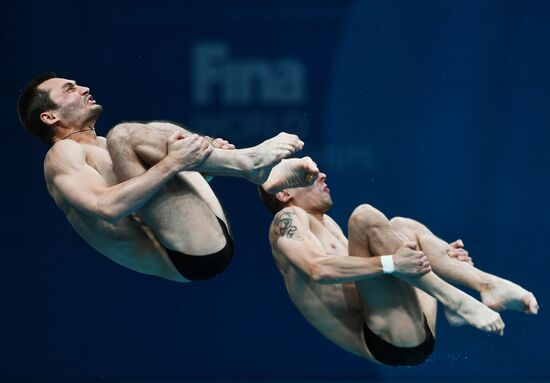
<point>411,245</point>
<point>205,145</point>
<point>455,244</point>
<point>457,253</point>
<point>455,250</point>
<point>206,151</point>
<point>174,137</point>
<point>465,258</point>
<point>193,138</point>
<point>502,329</point>
<point>461,256</point>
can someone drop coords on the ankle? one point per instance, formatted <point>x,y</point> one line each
<point>453,302</point>
<point>250,159</point>
<point>486,284</point>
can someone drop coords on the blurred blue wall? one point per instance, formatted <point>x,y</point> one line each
<point>436,110</point>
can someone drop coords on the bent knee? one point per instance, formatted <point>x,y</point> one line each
<point>366,216</point>
<point>121,132</point>
<point>404,224</point>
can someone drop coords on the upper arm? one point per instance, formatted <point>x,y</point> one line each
<point>72,179</point>
<point>292,237</point>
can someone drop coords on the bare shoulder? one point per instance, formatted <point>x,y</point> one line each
<point>290,213</point>
<point>102,141</point>
<point>290,222</point>
<point>63,156</point>
<point>64,148</point>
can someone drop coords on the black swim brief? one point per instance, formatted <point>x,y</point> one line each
<point>201,267</point>
<point>387,353</point>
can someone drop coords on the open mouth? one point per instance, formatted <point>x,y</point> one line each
<point>90,100</point>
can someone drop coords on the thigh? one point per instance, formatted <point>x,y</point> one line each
<point>392,309</point>
<point>429,308</point>
<point>203,190</point>
<point>411,229</point>
<point>183,216</point>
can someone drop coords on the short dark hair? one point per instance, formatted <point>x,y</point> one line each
<point>270,201</point>
<point>32,102</point>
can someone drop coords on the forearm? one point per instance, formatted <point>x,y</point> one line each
<point>125,198</point>
<point>341,269</point>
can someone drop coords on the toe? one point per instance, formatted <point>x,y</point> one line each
<point>532,306</point>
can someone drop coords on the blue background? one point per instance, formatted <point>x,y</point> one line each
<point>436,110</point>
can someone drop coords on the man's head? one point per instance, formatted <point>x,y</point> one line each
<point>49,103</point>
<point>314,199</point>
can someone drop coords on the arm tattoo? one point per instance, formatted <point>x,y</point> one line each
<point>284,226</point>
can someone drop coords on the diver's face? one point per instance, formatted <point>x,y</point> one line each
<point>76,106</point>
<point>314,198</point>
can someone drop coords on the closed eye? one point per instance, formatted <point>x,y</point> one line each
<point>69,87</point>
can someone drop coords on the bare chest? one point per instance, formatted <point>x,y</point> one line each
<point>329,238</point>
<point>100,159</point>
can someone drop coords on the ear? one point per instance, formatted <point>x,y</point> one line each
<point>49,117</point>
<point>283,196</point>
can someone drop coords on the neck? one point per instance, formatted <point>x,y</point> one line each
<point>317,215</point>
<point>84,133</point>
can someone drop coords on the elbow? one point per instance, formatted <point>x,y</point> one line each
<point>320,274</point>
<point>109,214</point>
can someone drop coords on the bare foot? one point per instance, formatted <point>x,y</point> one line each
<point>501,295</point>
<point>291,173</point>
<point>471,312</point>
<point>269,153</point>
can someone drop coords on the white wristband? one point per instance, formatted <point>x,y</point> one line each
<point>387,264</point>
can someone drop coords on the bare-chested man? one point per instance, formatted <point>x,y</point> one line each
<point>139,197</point>
<point>341,288</point>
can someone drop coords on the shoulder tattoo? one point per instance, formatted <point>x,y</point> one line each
<point>284,225</point>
